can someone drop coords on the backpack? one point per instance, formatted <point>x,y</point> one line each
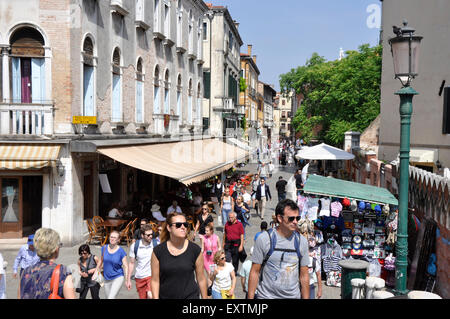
<point>273,244</point>
<point>136,246</point>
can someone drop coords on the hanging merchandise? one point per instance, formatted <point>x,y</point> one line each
<point>389,267</point>
<point>325,206</point>
<point>301,202</point>
<point>331,255</point>
<point>336,208</point>
<point>313,207</point>
<point>392,229</point>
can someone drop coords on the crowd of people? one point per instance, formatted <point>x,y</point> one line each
<point>185,260</point>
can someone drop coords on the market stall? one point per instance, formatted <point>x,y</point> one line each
<point>357,221</point>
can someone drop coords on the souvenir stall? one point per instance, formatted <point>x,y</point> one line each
<point>357,221</point>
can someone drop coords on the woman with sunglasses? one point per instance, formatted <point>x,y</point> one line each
<point>203,219</point>
<point>223,277</point>
<point>87,265</point>
<point>177,263</point>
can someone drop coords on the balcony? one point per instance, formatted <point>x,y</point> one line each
<point>118,7</point>
<point>240,109</point>
<point>26,118</point>
<point>228,104</point>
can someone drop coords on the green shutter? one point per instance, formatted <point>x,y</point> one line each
<point>206,85</point>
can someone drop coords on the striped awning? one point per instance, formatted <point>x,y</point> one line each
<point>27,156</point>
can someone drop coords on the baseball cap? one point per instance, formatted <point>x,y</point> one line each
<point>30,239</point>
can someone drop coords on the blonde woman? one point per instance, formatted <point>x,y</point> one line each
<point>177,263</point>
<point>35,280</point>
<point>115,265</point>
<point>223,278</point>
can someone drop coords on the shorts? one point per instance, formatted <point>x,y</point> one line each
<point>143,286</point>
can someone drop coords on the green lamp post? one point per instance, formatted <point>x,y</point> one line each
<point>405,53</point>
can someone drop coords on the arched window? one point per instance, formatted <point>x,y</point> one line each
<point>179,91</point>
<point>139,92</point>
<point>190,93</point>
<point>199,104</point>
<point>28,66</point>
<point>156,108</point>
<point>88,78</point>
<point>166,93</point>
<point>116,115</point>
<point>179,24</point>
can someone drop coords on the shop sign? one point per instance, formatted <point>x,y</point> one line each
<point>84,120</point>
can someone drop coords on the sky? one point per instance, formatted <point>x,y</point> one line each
<point>285,33</point>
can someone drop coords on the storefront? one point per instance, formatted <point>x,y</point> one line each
<point>357,221</point>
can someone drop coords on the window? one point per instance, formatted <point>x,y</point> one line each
<point>179,25</point>
<point>88,78</point>
<point>140,10</point>
<point>446,113</point>
<point>156,109</point>
<point>190,93</point>
<point>156,21</point>
<point>191,33</point>
<point>167,20</point>
<point>139,92</point>
<point>205,31</point>
<point>199,39</point>
<point>207,85</point>
<point>28,66</point>
<point>166,93</point>
<point>116,115</point>
<point>179,91</point>
<point>199,103</point>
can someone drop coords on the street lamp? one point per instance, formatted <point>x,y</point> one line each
<point>405,54</point>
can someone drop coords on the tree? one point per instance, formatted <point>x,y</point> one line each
<point>242,85</point>
<point>338,95</point>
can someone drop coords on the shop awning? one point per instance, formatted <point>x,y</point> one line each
<point>27,156</point>
<point>188,162</point>
<point>333,187</point>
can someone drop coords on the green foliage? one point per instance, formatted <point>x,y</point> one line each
<point>244,123</point>
<point>242,85</point>
<point>338,95</point>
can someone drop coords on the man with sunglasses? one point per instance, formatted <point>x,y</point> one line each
<point>280,259</point>
<point>142,254</point>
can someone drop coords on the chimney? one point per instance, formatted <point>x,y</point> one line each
<point>249,49</point>
<point>254,58</point>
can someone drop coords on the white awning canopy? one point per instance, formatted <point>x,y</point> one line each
<point>324,152</point>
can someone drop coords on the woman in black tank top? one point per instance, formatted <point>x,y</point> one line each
<point>87,264</point>
<point>177,263</point>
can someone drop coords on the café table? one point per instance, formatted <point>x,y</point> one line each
<point>111,224</point>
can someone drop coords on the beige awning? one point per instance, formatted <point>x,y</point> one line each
<point>27,156</point>
<point>188,162</point>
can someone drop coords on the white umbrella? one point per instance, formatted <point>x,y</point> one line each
<point>324,152</point>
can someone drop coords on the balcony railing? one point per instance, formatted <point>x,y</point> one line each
<point>26,118</point>
<point>228,104</point>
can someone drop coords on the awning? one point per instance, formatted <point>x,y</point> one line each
<point>188,162</point>
<point>324,152</point>
<point>27,156</point>
<point>333,187</point>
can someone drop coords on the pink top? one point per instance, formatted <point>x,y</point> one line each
<point>210,243</point>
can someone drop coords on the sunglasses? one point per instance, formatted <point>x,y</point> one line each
<point>178,225</point>
<point>291,218</point>
<point>148,234</point>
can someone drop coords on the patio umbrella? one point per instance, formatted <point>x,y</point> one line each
<point>324,152</point>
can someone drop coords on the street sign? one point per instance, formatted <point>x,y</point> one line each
<point>84,120</point>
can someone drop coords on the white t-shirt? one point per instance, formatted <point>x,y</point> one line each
<point>171,209</point>
<point>143,269</point>
<point>2,280</point>
<point>263,191</point>
<point>247,197</point>
<point>223,278</point>
<point>113,213</point>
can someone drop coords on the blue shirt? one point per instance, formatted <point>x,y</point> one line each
<point>25,258</point>
<point>112,263</point>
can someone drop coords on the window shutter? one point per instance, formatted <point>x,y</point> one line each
<point>206,85</point>
<point>88,79</point>
<point>16,81</point>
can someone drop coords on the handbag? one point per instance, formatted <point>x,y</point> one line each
<point>54,283</point>
<point>242,255</point>
<point>98,278</point>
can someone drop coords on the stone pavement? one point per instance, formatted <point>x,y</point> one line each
<point>69,255</point>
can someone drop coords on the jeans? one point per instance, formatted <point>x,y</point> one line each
<point>112,287</point>
<point>281,196</point>
<point>225,213</point>
<point>312,291</point>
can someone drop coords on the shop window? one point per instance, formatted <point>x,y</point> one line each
<point>27,66</point>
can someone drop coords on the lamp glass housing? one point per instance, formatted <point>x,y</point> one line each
<point>405,54</point>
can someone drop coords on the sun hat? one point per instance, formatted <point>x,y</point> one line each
<point>346,202</point>
<point>155,208</point>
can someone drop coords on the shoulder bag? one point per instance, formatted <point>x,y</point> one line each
<point>97,275</point>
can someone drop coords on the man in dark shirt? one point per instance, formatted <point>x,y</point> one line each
<point>298,180</point>
<point>281,188</point>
